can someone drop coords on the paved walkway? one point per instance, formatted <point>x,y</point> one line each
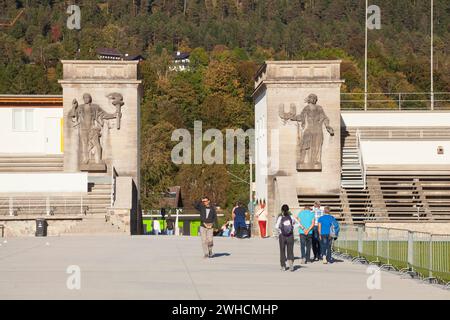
<point>145,267</point>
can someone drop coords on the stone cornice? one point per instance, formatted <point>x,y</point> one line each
<point>125,62</point>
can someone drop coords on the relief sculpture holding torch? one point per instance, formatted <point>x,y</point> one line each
<point>90,119</point>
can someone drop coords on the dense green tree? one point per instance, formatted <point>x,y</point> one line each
<point>228,40</point>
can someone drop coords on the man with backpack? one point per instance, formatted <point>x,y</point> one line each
<point>328,230</point>
<point>285,226</point>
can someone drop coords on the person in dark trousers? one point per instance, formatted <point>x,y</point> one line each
<point>170,225</point>
<point>238,216</point>
<point>285,226</point>
<point>306,218</point>
<point>208,219</point>
<point>326,223</point>
<point>318,212</point>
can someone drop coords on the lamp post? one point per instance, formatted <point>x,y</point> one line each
<point>365,57</point>
<point>432,55</point>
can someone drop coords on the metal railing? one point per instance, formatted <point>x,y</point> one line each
<point>172,211</point>
<point>396,101</point>
<point>43,205</point>
<point>360,157</point>
<point>114,175</point>
<point>417,254</point>
<point>380,133</point>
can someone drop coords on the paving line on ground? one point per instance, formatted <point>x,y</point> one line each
<point>180,253</point>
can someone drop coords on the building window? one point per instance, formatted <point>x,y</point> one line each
<point>22,119</point>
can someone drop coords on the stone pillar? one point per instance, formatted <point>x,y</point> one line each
<point>114,89</point>
<point>298,127</point>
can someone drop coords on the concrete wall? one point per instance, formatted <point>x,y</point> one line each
<point>396,119</point>
<point>43,182</point>
<point>405,152</point>
<point>126,211</point>
<point>435,228</point>
<point>27,228</point>
<point>285,83</point>
<point>328,180</point>
<point>34,141</point>
<point>261,157</point>
<point>100,78</point>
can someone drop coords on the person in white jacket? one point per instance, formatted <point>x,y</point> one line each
<point>156,227</point>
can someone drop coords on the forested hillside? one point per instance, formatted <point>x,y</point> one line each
<point>227,40</point>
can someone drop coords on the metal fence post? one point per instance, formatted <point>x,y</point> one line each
<point>11,206</point>
<point>430,263</point>
<point>410,250</point>
<point>378,244</point>
<point>360,242</point>
<point>47,205</point>
<point>387,247</point>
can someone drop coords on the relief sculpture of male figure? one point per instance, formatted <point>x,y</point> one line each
<point>310,121</point>
<point>89,118</point>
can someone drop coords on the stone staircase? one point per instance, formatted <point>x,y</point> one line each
<point>351,171</point>
<point>99,198</point>
<point>436,196</point>
<point>358,204</point>
<point>96,224</point>
<point>31,163</point>
<point>95,221</point>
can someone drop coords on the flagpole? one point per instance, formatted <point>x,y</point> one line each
<point>365,59</point>
<point>432,56</point>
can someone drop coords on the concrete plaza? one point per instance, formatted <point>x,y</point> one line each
<point>170,268</point>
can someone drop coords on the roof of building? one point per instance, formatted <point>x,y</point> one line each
<point>172,198</point>
<point>108,52</point>
<point>31,101</point>
<point>181,55</point>
<point>114,53</point>
<point>133,57</point>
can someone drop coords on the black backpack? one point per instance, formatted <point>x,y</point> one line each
<point>286,226</point>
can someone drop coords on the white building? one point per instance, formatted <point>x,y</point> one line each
<point>180,61</point>
<point>31,125</point>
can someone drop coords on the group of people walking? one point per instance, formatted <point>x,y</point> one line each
<point>317,228</point>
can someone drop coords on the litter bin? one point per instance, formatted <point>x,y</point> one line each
<point>249,228</point>
<point>41,228</point>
